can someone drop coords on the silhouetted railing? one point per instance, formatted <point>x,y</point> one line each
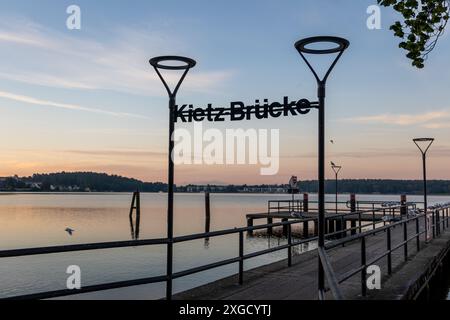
<point>440,221</point>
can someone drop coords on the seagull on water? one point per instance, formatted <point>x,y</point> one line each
<point>70,231</point>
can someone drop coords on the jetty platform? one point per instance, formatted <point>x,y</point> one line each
<point>407,271</point>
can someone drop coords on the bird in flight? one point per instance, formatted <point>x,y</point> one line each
<point>333,164</point>
<point>332,141</point>
<point>70,231</point>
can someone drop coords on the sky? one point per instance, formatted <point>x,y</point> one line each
<point>87,100</point>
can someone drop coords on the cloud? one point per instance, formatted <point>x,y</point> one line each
<point>113,153</point>
<point>404,119</point>
<point>41,56</point>
<point>46,103</point>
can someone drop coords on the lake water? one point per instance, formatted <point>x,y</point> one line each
<point>33,220</point>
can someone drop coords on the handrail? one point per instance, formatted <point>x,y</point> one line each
<point>440,220</point>
<point>437,224</point>
<point>330,275</point>
<point>161,278</point>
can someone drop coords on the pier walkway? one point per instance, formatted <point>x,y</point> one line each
<point>277,281</point>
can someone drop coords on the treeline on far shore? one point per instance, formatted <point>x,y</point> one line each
<point>101,182</point>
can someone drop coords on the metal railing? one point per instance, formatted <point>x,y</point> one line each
<point>439,221</point>
<point>240,259</point>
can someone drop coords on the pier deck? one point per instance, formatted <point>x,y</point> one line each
<point>277,281</point>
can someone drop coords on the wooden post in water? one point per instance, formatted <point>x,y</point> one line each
<point>207,205</point>
<point>353,209</point>
<point>403,209</point>
<point>269,229</point>
<point>285,228</point>
<point>250,224</point>
<point>135,206</point>
<point>305,209</point>
<point>207,216</point>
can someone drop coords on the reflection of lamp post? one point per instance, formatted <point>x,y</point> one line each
<point>186,65</point>
<point>302,48</point>
<point>424,149</point>
<point>336,170</point>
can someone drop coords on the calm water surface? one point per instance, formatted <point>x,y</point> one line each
<point>32,220</point>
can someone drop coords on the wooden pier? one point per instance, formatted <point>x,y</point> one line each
<point>277,281</point>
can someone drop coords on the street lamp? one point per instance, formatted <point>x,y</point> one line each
<point>304,47</point>
<point>424,144</point>
<point>172,63</point>
<point>336,170</point>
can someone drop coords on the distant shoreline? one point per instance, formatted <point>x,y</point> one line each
<point>4,193</point>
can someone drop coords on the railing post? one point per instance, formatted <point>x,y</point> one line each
<point>446,215</point>
<point>405,239</point>
<point>433,222</point>
<point>438,223</point>
<point>290,245</point>
<point>364,268</point>
<point>241,257</point>
<point>373,217</point>
<point>353,209</point>
<point>389,249</point>
<point>418,234</point>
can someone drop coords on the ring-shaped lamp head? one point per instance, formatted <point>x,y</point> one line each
<point>417,141</point>
<point>161,63</point>
<point>157,62</point>
<point>341,45</point>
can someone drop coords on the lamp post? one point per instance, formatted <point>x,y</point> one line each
<point>427,142</point>
<point>303,47</point>
<point>172,63</point>
<point>336,170</point>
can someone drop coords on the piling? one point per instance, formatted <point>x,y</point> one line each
<point>403,209</point>
<point>207,216</point>
<point>135,206</point>
<point>250,224</point>
<point>305,209</point>
<point>285,227</point>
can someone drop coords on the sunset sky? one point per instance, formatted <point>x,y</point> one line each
<point>87,100</point>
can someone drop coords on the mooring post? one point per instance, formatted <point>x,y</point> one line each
<point>285,227</point>
<point>249,225</point>
<point>133,206</point>
<point>403,209</point>
<point>207,216</point>
<point>207,205</point>
<point>305,209</point>
<point>353,209</point>
<point>269,229</point>
<point>138,214</point>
